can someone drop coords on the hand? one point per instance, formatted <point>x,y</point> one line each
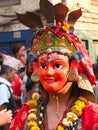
<point>5,116</point>
<point>95,126</point>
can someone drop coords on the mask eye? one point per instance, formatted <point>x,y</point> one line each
<point>43,66</point>
<point>58,66</point>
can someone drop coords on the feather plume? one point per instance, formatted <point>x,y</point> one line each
<point>36,18</point>
<point>30,19</point>
<point>60,12</point>
<point>74,16</point>
<point>25,19</point>
<point>48,10</point>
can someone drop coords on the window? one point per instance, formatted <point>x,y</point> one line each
<point>94,6</point>
<point>5,3</point>
<point>86,45</point>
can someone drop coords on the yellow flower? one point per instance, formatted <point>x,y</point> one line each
<point>35,128</point>
<point>82,99</point>
<point>79,105</point>
<point>35,96</point>
<point>66,122</point>
<point>31,123</point>
<point>76,109</point>
<point>60,127</point>
<point>32,103</point>
<point>34,110</point>
<point>72,116</point>
<point>66,26</point>
<point>32,116</point>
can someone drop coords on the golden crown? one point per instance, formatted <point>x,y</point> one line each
<point>50,41</point>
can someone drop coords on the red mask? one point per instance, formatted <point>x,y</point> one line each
<point>53,71</point>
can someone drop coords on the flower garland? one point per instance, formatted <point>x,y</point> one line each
<point>72,117</point>
<point>32,116</point>
<point>69,121</point>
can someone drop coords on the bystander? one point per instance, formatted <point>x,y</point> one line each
<point>5,116</point>
<point>7,101</point>
<point>20,53</point>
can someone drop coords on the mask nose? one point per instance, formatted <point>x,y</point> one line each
<point>50,70</point>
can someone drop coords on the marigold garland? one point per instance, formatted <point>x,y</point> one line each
<point>32,124</point>
<point>76,112</point>
<point>68,121</point>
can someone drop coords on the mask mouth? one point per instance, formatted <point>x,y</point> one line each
<point>50,80</point>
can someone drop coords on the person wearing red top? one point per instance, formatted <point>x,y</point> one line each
<point>16,86</point>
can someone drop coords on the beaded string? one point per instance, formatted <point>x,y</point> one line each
<point>66,109</point>
<point>57,106</point>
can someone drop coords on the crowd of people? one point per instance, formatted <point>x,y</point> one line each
<point>51,87</point>
<point>5,115</point>
<point>13,80</point>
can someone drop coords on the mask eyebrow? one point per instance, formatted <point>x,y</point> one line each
<point>55,60</point>
<point>43,60</point>
<point>51,61</point>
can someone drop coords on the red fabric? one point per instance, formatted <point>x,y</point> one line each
<point>16,85</point>
<point>85,64</point>
<point>90,117</point>
<point>20,118</point>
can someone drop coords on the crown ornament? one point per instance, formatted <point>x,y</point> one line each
<point>51,41</point>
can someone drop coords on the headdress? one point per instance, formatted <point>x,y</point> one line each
<point>55,33</point>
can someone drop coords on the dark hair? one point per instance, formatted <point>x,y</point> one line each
<point>30,84</point>
<point>21,70</point>
<point>4,69</point>
<point>16,47</point>
<point>1,58</point>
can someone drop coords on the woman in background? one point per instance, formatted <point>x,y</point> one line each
<point>20,53</point>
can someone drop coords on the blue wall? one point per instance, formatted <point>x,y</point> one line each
<point>7,39</point>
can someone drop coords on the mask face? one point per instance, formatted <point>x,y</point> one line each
<point>53,71</point>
